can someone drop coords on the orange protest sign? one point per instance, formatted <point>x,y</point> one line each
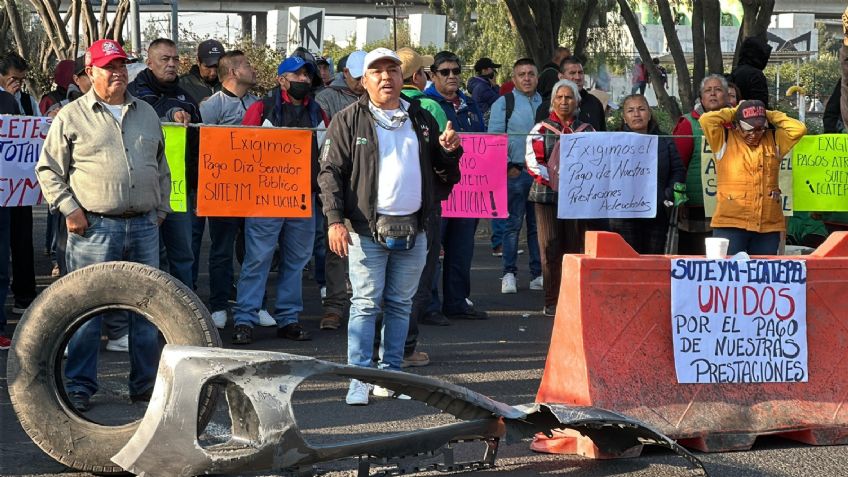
<point>254,172</point>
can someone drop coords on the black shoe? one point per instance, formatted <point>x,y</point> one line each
<point>242,335</point>
<point>80,401</point>
<point>470,314</point>
<point>435,318</point>
<point>143,397</point>
<point>549,310</point>
<point>20,307</point>
<point>294,332</point>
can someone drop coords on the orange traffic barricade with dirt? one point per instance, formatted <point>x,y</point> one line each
<point>612,347</point>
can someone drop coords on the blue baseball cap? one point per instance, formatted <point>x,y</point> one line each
<point>294,63</point>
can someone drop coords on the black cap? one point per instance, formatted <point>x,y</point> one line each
<point>79,65</point>
<point>209,52</point>
<point>484,63</point>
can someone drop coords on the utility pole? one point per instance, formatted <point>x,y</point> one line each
<point>394,5</point>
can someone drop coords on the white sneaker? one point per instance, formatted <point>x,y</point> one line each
<point>508,284</point>
<point>537,283</point>
<point>357,393</point>
<point>323,292</point>
<point>380,391</point>
<point>121,345</point>
<point>265,319</point>
<point>220,319</point>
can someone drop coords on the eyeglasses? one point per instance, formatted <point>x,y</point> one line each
<point>447,71</point>
<point>753,132</point>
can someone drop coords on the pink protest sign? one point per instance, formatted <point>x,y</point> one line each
<point>481,193</point>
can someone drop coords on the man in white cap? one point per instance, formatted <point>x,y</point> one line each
<point>386,202</point>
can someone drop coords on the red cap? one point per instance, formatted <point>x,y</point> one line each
<point>101,52</point>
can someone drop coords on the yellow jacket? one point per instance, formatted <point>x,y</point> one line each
<point>747,177</point>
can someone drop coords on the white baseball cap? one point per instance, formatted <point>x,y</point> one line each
<point>380,54</point>
<point>356,63</point>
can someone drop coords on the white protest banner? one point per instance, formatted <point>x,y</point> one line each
<point>739,321</point>
<point>607,175</point>
<point>21,138</point>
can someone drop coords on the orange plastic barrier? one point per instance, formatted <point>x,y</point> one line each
<point>612,347</point>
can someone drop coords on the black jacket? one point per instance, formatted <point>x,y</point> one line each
<point>8,104</point>
<point>166,99</point>
<point>748,74</point>
<point>591,111</point>
<point>349,158</point>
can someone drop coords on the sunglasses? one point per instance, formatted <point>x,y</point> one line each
<point>447,71</point>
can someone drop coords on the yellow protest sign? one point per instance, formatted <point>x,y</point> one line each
<point>820,165</point>
<point>175,151</point>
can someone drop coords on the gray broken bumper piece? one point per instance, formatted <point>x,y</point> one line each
<point>265,437</point>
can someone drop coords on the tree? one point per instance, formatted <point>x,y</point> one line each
<point>538,23</point>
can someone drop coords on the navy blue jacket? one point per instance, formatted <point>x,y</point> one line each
<point>467,119</point>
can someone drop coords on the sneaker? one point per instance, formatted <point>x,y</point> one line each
<point>508,283</point>
<point>220,319</point>
<point>242,335</point>
<point>470,303</point>
<point>537,283</point>
<point>549,310</point>
<point>20,307</point>
<point>323,292</point>
<point>380,391</point>
<point>497,251</point>
<point>80,401</point>
<point>416,359</point>
<point>520,251</point>
<point>294,332</point>
<point>469,314</point>
<point>120,345</point>
<point>5,343</point>
<point>357,393</point>
<point>55,272</point>
<point>435,318</point>
<point>265,319</point>
<point>143,397</point>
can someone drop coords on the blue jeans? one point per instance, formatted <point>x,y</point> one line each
<point>4,263</point>
<point>175,247</point>
<point>518,189</point>
<point>498,230</point>
<point>105,240</point>
<point>380,276</point>
<point>458,243</point>
<point>754,243</point>
<point>261,236</point>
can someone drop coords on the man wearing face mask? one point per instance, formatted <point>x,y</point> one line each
<point>483,87</point>
<point>289,105</point>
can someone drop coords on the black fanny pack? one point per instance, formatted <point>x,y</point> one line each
<point>397,232</point>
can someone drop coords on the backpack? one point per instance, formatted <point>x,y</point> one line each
<point>553,159</point>
<point>510,107</point>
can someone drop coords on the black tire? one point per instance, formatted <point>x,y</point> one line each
<point>35,360</point>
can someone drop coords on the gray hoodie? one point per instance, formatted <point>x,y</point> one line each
<point>335,97</point>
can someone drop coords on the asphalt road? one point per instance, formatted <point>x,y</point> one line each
<point>502,358</point>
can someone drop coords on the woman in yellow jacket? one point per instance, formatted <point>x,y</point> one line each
<point>749,208</point>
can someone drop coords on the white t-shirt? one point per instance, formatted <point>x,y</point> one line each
<point>115,109</point>
<point>399,169</point>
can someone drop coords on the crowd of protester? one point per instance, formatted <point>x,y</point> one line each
<point>379,240</point>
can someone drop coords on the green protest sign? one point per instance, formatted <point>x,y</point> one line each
<point>175,147</point>
<point>820,172</point>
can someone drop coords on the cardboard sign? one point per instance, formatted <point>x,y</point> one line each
<point>21,139</point>
<point>175,150</point>
<point>820,165</point>
<point>607,175</point>
<point>481,192</point>
<point>739,321</point>
<point>709,181</point>
<point>255,172</point>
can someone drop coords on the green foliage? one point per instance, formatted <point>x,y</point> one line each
<point>818,77</point>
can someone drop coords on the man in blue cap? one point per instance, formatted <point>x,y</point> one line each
<point>290,105</point>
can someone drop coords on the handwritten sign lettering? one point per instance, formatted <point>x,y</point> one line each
<point>254,172</point>
<point>607,175</point>
<point>175,149</point>
<point>481,192</point>
<point>739,321</point>
<point>820,164</point>
<point>21,139</point>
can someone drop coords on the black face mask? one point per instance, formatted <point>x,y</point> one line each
<point>489,76</point>
<point>298,89</point>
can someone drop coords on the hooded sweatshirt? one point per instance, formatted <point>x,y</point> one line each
<point>748,74</point>
<point>335,97</point>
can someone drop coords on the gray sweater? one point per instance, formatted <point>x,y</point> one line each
<point>225,108</point>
